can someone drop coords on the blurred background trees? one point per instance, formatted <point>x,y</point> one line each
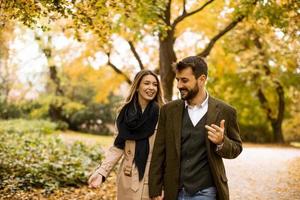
<point>89,51</point>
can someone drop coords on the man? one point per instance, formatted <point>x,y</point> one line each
<point>193,136</point>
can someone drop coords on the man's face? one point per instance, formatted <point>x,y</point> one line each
<point>187,83</point>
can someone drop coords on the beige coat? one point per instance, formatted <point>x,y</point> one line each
<point>128,185</point>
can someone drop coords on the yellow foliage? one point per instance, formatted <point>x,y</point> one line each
<point>72,107</point>
<point>205,21</point>
<point>112,83</point>
<point>220,62</point>
<point>103,81</point>
<point>6,36</point>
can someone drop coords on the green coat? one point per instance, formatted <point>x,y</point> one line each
<point>165,164</point>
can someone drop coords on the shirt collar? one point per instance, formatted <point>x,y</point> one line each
<point>204,103</point>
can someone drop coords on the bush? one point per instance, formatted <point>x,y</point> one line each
<point>67,113</point>
<point>89,120</point>
<point>291,128</point>
<point>260,133</point>
<point>17,109</point>
<point>8,111</point>
<point>61,125</point>
<point>30,158</point>
<point>27,126</point>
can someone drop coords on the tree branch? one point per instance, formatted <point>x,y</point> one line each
<point>117,70</point>
<point>136,55</point>
<point>187,14</point>
<point>259,46</point>
<point>212,42</point>
<point>184,9</point>
<point>167,13</point>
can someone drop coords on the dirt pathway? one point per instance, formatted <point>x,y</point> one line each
<point>268,173</point>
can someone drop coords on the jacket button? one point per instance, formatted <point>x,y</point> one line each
<point>129,152</point>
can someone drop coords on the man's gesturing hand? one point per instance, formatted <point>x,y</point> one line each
<point>216,133</point>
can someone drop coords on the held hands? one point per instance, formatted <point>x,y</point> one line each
<point>95,180</point>
<point>216,133</point>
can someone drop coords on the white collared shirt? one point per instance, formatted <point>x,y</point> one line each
<point>198,111</point>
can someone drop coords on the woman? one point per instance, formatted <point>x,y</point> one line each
<point>136,125</point>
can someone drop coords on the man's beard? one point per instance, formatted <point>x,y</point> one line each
<point>190,93</point>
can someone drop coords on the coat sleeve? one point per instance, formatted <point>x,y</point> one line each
<point>112,156</point>
<point>232,146</point>
<point>158,158</point>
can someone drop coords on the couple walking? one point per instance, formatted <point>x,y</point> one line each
<point>172,151</point>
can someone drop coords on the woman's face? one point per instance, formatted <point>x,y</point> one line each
<point>147,89</point>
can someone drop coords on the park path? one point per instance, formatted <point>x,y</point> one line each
<point>265,173</point>
<point>261,172</point>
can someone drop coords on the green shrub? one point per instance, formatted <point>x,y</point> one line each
<point>27,126</point>
<point>17,109</point>
<point>291,128</point>
<point>61,125</point>
<point>8,111</point>
<point>67,113</point>
<point>34,159</point>
<point>257,133</point>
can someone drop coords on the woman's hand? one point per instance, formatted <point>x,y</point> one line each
<point>95,180</point>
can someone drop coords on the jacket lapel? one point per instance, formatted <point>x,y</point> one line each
<point>212,114</point>
<point>177,120</point>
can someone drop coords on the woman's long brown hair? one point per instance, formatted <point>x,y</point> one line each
<point>136,83</point>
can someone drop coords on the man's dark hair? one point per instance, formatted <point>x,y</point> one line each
<point>197,64</point>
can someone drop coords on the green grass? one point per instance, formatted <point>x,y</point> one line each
<point>71,136</point>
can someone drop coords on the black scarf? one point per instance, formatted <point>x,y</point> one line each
<point>133,124</point>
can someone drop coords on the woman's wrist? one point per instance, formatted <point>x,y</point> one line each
<point>103,177</point>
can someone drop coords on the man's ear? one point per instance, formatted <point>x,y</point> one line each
<point>202,78</point>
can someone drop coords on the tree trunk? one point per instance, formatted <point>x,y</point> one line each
<point>277,131</point>
<point>166,58</point>
<point>56,80</point>
<point>277,125</point>
<point>276,122</point>
<point>167,55</point>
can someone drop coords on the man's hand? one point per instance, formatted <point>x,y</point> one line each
<point>216,133</point>
<point>95,180</point>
